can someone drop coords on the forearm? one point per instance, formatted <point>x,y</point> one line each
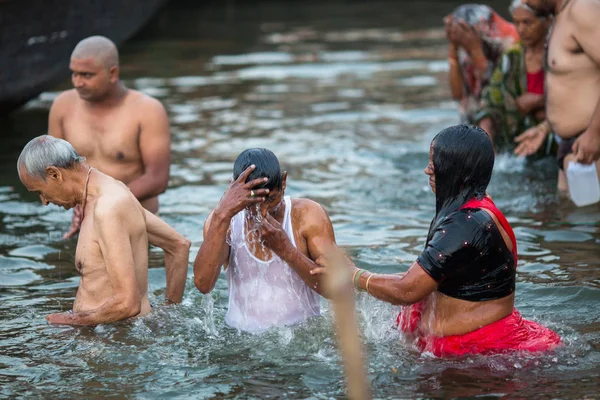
<point>302,265</point>
<point>111,311</point>
<point>389,288</point>
<point>455,75</point>
<point>148,186</point>
<point>176,266</point>
<point>533,103</point>
<point>479,60</point>
<point>595,121</point>
<point>212,253</point>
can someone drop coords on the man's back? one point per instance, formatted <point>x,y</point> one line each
<point>112,250</point>
<point>114,138</point>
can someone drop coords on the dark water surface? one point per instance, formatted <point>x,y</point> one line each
<point>348,95</point>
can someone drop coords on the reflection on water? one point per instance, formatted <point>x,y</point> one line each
<point>348,95</point>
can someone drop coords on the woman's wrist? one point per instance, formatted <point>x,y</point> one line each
<point>453,52</point>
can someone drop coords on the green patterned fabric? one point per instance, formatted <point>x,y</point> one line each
<point>498,100</point>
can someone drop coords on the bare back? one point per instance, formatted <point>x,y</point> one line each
<point>128,246</point>
<point>109,137</point>
<point>573,77</point>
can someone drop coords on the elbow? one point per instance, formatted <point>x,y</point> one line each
<point>202,285</point>
<point>183,246</point>
<point>128,308</point>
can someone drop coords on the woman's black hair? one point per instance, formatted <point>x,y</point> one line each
<point>463,160</point>
<point>267,165</point>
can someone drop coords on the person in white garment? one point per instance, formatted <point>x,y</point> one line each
<point>268,244</point>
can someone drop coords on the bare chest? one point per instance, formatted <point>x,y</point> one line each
<point>88,257</point>
<point>564,54</point>
<point>108,137</point>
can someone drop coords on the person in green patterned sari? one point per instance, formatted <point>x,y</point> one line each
<point>512,105</point>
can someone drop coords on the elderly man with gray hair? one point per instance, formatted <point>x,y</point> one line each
<point>112,250</point>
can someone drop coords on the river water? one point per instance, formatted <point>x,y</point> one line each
<point>348,95</point>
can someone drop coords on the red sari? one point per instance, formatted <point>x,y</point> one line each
<point>512,333</point>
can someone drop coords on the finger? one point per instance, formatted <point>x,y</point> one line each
<point>244,175</point>
<point>259,192</point>
<point>317,271</point>
<point>521,150</point>
<point>256,182</point>
<point>464,25</point>
<point>271,220</point>
<point>522,136</point>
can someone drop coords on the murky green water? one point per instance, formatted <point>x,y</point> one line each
<point>349,98</point>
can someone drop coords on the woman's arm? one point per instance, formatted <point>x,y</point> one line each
<point>397,289</point>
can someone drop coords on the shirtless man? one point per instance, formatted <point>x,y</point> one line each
<point>121,132</point>
<point>573,79</point>
<point>112,249</point>
<point>268,243</point>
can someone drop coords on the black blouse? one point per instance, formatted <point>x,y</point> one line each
<point>468,258</point>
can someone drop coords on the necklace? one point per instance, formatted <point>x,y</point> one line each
<point>85,188</point>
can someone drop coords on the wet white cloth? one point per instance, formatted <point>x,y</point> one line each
<point>263,294</point>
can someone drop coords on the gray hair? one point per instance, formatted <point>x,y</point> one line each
<point>522,4</point>
<point>47,151</point>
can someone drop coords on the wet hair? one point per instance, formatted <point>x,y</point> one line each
<point>267,165</point>
<point>463,160</point>
<point>47,151</point>
<point>99,48</point>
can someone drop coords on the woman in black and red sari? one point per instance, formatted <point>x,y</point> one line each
<point>459,294</point>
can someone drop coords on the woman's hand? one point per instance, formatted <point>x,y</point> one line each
<point>465,36</point>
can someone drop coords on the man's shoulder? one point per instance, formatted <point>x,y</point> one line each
<point>144,102</point>
<point>585,12</point>
<point>65,99</point>
<point>308,211</point>
<point>305,204</point>
<point>116,202</point>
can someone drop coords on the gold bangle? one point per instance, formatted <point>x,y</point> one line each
<point>367,284</point>
<point>357,275</point>
<point>354,275</point>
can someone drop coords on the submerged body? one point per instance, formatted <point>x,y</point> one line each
<point>269,244</point>
<point>464,280</point>
<point>112,249</point>
<point>95,288</point>
<point>265,291</point>
<point>473,258</point>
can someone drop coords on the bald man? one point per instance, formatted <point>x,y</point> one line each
<point>120,131</point>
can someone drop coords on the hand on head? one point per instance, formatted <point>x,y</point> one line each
<point>241,194</point>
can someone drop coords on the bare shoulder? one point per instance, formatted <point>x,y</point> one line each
<point>116,204</point>
<point>585,13</point>
<point>64,100</point>
<point>145,104</point>
<point>309,212</point>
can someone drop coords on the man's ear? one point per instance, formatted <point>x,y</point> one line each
<point>113,74</point>
<point>283,180</point>
<point>54,174</point>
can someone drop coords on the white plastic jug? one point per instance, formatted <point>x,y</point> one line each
<point>583,183</point>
